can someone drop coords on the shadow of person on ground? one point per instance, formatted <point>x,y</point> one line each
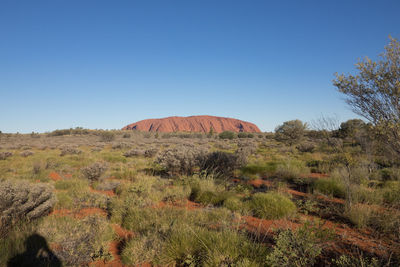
<point>37,253</point>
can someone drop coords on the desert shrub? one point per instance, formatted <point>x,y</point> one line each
<point>220,163</point>
<point>26,153</point>
<point>69,150</point>
<point>97,149</point>
<point>290,132</point>
<point>22,200</point>
<point>181,160</point>
<point>126,135</point>
<point>106,186</point>
<point>306,147</point>
<point>134,153</point>
<point>299,247</point>
<point>245,135</point>
<point>4,155</point>
<point>352,261</point>
<point>390,174</point>
<point>36,168</point>
<point>227,135</point>
<point>106,136</point>
<point>120,145</point>
<point>330,187</point>
<point>149,153</point>
<point>271,205</point>
<point>93,172</point>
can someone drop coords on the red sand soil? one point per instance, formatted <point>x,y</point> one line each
<point>361,239</point>
<point>193,124</point>
<point>266,227</point>
<point>54,176</point>
<point>114,248</point>
<point>320,197</point>
<point>257,183</point>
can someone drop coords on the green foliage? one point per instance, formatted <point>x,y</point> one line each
<point>351,261</point>
<point>205,191</point>
<point>245,135</point>
<point>374,93</point>
<point>271,205</point>
<point>352,128</point>
<point>290,132</point>
<point>221,163</point>
<point>227,135</point>
<point>298,248</point>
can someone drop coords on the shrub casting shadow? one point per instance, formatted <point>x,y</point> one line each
<point>37,253</point>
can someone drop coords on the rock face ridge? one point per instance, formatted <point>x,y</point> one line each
<point>193,124</point>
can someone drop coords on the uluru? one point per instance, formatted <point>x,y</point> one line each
<point>193,124</point>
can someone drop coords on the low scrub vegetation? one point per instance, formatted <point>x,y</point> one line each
<point>180,199</point>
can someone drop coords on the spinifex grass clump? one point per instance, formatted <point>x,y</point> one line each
<point>80,241</point>
<point>271,205</point>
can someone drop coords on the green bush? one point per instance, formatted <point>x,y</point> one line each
<point>271,205</point>
<point>227,135</point>
<point>297,248</point>
<point>221,164</point>
<point>290,132</point>
<point>245,135</point>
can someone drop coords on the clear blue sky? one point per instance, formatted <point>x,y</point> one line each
<point>104,64</point>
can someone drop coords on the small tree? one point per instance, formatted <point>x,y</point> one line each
<point>374,93</point>
<point>290,132</point>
